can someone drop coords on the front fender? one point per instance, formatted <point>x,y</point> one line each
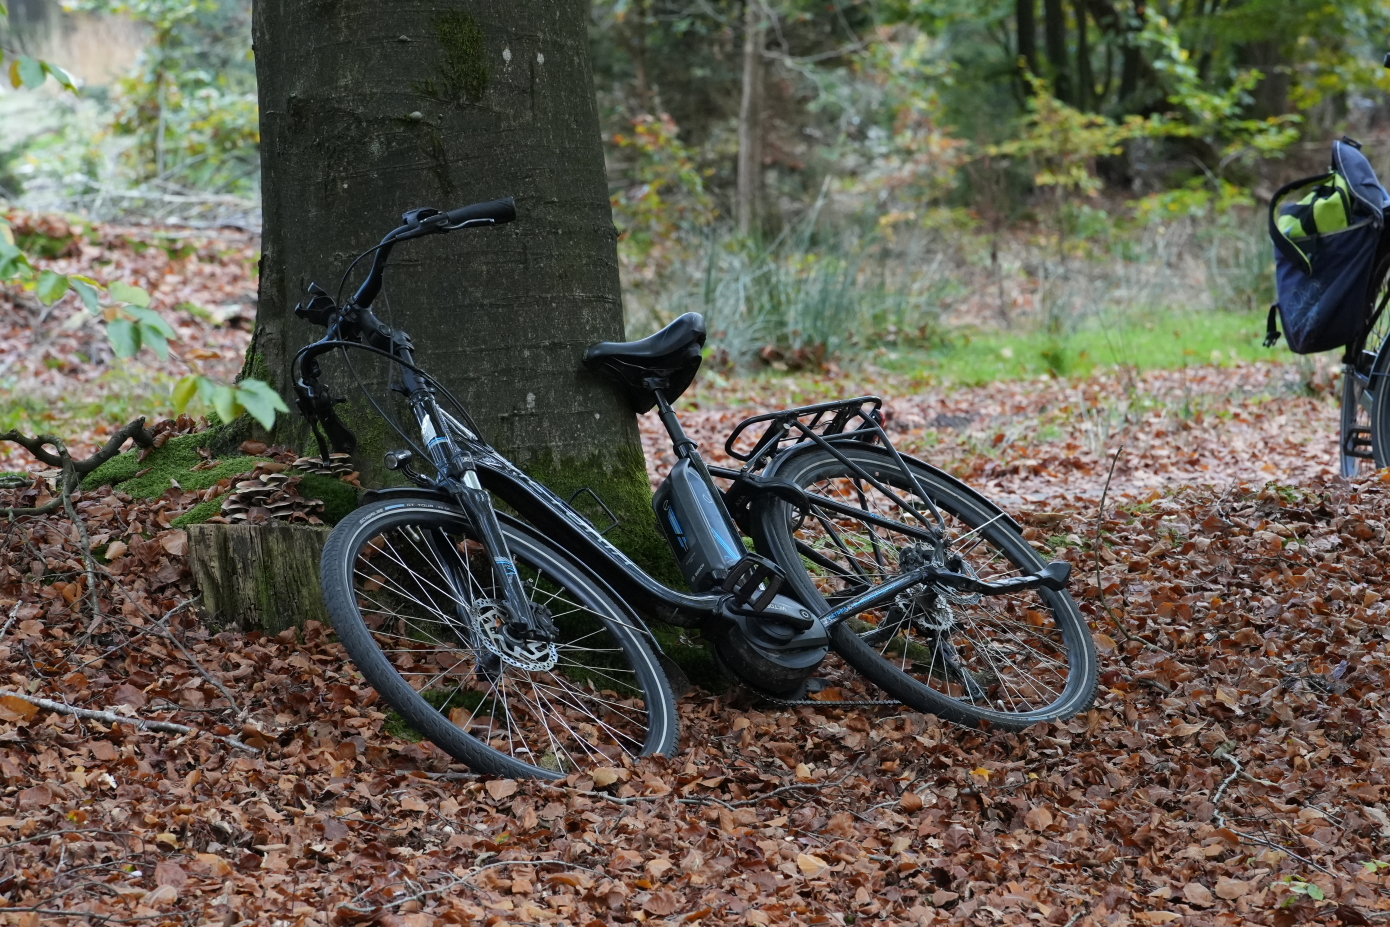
<point>439,495</point>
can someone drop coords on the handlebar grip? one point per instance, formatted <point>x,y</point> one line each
<point>493,212</point>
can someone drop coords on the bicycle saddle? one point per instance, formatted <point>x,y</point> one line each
<point>666,361</point>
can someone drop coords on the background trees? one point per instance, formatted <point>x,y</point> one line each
<point>822,180</point>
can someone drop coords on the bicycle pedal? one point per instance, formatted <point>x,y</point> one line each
<point>753,583</point>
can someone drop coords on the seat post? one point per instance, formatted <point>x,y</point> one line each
<point>685,448</point>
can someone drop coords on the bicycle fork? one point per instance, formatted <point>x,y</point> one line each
<point>460,474</point>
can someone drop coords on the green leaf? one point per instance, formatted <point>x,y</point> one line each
<point>124,337</point>
<point>125,293</point>
<point>184,390</point>
<point>262,388</point>
<point>61,76</point>
<point>12,261</point>
<point>224,402</point>
<point>154,339</point>
<point>206,389</point>
<point>51,287</point>
<point>1314,892</point>
<point>261,401</point>
<point>152,319</point>
<point>87,292</point>
<point>31,72</point>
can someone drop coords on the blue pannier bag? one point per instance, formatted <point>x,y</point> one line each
<point>1326,230</point>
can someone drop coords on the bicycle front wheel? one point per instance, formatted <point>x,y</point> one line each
<point>413,597</point>
<point>1005,661</point>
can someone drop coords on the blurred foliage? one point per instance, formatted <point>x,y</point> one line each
<point>190,104</point>
<point>919,157</point>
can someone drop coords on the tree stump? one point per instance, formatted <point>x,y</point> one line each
<point>258,577</point>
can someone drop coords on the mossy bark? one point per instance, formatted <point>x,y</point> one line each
<point>368,110</point>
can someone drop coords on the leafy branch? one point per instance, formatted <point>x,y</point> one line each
<point>131,325</point>
<point>31,73</point>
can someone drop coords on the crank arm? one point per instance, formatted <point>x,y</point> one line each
<point>1054,576</point>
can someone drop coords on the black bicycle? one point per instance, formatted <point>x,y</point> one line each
<point>515,641</point>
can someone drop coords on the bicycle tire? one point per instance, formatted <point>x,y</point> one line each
<point>1367,359</point>
<point>418,624</point>
<point>976,682</point>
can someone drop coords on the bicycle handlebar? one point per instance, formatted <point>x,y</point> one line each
<point>493,212</point>
<point>426,221</point>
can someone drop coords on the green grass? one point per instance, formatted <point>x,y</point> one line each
<point>1160,340</point>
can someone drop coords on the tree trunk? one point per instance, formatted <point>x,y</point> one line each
<point>370,109</point>
<point>1026,25</point>
<point>1055,34</point>
<point>1085,80</point>
<point>1272,93</point>
<point>258,577</point>
<point>639,56</point>
<point>1129,70</point>
<point>750,132</point>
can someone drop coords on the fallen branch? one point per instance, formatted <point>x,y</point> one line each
<point>110,717</point>
<point>72,469</point>
<point>211,679</point>
<point>419,891</point>
<point>14,616</point>
<point>1237,770</point>
<point>60,833</point>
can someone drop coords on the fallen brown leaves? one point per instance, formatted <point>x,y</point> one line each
<point>1232,772</point>
<point>1248,626</point>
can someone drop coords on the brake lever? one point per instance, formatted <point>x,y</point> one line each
<point>320,307</point>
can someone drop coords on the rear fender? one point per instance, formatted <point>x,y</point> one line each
<point>791,453</point>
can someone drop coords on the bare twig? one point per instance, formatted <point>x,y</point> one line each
<point>61,833</point>
<point>47,508</point>
<point>1237,771</point>
<point>69,483</point>
<point>168,632</point>
<point>109,717</point>
<point>419,891</point>
<point>1100,523</point>
<point>131,431</point>
<point>14,616</point>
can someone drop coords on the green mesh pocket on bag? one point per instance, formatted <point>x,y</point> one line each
<point>1325,208</point>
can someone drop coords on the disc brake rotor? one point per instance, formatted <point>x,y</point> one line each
<point>491,619</point>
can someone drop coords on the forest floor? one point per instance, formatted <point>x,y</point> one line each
<point>1232,771</point>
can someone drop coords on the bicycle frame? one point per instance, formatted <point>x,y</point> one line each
<point>539,506</point>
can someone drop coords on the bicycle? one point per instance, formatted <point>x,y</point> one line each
<point>1364,435</point>
<point>513,640</point>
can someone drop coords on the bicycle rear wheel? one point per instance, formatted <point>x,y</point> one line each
<point>1363,442</point>
<point>413,597</point>
<point>1005,661</point>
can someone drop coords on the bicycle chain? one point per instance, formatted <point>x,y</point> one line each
<point>798,702</point>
